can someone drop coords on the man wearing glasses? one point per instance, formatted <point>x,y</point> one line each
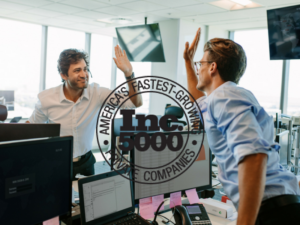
<point>241,135</point>
<point>75,104</point>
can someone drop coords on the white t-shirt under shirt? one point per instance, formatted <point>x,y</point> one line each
<point>77,119</point>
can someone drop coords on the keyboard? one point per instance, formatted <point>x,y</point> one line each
<point>202,222</point>
<point>130,220</point>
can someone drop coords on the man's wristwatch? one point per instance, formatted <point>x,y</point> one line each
<point>131,77</point>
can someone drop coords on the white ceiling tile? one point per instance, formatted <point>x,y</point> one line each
<point>26,16</point>
<point>34,3</point>
<point>55,22</point>
<point>140,18</point>
<point>13,6</point>
<point>44,12</point>
<point>202,9</point>
<point>62,8</point>
<point>171,13</point>
<point>174,3</point>
<point>143,6</point>
<point>74,18</point>
<point>116,2</point>
<point>85,4</point>
<point>93,14</point>
<point>117,11</point>
<point>84,26</point>
<point>6,11</point>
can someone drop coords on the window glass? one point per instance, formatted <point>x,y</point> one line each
<point>293,107</point>
<point>20,66</point>
<point>262,76</point>
<point>101,59</point>
<point>59,40</point>
<point>140,69</point>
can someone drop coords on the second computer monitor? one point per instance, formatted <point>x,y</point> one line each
<point>198,175</point>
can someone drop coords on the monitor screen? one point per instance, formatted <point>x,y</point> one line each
<point>284,32</point>
<point>197,176</point>
<point>142,43</point>
<point>35,180</point>
<point>115,191</point>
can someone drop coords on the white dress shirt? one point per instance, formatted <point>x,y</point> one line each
<point>77,119</point>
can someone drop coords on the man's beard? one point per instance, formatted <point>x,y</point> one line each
<point>75,84</point>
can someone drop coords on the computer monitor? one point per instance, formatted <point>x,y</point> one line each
<point>283,140</point>
<point>35,180</point>
<point>142,43</point>
<point>197,176</point>
<point>284,32</point>
<point>19,131</point>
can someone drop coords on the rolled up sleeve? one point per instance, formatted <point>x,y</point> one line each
<point>236,118</point>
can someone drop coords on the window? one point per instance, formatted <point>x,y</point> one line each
<point>59,40</point>
<point>20,67</point>
<point>140,69</point>
<point>101,59</point>
<point>293,106</point>
<point>262,76</point>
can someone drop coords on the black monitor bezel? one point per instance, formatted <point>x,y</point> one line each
<point>123,45</point>
<point>167,195</point>
<point>270,10</point>
<point>65,215</point>
<point>109,217</point>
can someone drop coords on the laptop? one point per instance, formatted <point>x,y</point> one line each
<point>108,199</point>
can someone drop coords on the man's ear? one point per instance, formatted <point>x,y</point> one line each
<point>213,68</point>
<point>64,76</point>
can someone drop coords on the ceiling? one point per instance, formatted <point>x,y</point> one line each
<point>83,14</point>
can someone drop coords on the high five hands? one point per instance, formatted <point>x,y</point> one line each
<point>189,51</point>
<point>122,61</point>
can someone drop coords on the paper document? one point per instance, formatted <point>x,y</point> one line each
<point>175,199</point>
<point>156,201</point>
<point>146,208</point>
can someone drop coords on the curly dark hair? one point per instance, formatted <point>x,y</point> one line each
<point>68,57</point>
<point>230,58</point>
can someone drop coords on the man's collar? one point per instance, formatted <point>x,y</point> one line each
<point>85,94</point>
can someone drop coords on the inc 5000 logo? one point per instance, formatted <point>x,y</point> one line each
<point>160,150</point>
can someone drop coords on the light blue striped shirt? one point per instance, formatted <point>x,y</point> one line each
<point>237,126</point>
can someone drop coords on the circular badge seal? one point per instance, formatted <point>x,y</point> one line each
<point>160,148</point>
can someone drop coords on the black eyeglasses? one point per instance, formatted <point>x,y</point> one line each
<point>199,64</point>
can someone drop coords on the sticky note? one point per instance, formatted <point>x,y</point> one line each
<point>192,196</point>
<point>146,208</point>
<point>175,199</point>
<point>53,221</point>
<point>156,201</point>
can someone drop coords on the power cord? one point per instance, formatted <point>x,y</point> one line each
<point>168,220</point>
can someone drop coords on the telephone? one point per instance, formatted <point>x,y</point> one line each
<point>191,214</point>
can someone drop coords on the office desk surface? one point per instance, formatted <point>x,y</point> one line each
<point>215,220</point>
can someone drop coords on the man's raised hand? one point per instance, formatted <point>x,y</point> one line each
<point>122,61</point>
<point>189,51</point>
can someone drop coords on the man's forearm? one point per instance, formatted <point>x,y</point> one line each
<point>252,179</point>
<point>192,81</point>
<point>137,99</point>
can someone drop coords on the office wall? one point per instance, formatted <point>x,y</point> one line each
<point>217,32</point>
<point>170,35</point>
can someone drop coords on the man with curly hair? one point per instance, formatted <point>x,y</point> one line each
<point>75,104</point>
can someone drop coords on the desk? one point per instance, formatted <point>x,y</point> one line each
<point>215,220</point>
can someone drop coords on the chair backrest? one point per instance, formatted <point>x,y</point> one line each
<point>174,111</point>
<point>3,112</point>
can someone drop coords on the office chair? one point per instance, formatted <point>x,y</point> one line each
<point>174,111</point>
<point>3,113</point>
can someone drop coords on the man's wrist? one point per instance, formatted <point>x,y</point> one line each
<point>128,74</point>
<point>130,77</point>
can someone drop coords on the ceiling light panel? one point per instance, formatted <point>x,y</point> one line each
<point>242,2</point>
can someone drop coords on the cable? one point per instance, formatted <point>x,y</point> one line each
<point>216,184</point>
<point>168,220</point>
